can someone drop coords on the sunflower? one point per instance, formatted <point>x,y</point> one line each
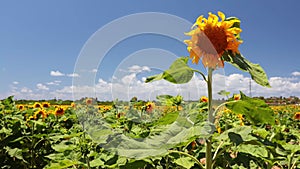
<point>21,107</point>
<point>73,105</point>
<point>89,101</point>
<point>37,105</point>
<point>40,113</point>
<point>46,105</point>
<point>297,116</point>
<point>236,97</point>
<point>211,38</point>
<point>59,111</point>
<point>203,99</point>
<point>149,107</point>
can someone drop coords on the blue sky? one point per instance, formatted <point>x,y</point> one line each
<point>40,40</point>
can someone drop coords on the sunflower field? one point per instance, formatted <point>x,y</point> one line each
<point>240,132</point>
<point>40,135</point>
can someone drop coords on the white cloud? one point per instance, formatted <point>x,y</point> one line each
<point>296,73</point>
<point>15,82</point>
<point>73,75</point>
<point>94,70</point>
<point>56,73</point>
<point>138,69</point>
<point>26,90</point>
<point>56,82</point>
<point>41,87</point>
<point>124,88</point>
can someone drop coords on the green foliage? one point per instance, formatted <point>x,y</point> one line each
<point>257,111</point>
<point>174,137</point>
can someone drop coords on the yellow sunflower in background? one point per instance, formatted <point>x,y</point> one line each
<point>297,116</point>
<point>59,111</point>
<point>236,97</point>
<point>204,99</point>
<point>37,105</point>
<point>21,107</point>
<point>89,101</point>
<point>150,107</point>
<point>40,113</point>
<point>46,105</point>
<point>211,38</point>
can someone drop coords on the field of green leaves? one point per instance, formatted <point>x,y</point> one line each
<point>247,133</point>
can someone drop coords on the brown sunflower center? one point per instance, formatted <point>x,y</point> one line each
<point>212,40</point>
<point>297,116</point>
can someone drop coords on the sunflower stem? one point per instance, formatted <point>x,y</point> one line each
<point>208,154</point>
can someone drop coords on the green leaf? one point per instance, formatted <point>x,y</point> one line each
<point>63,146</point>
<point>256,71</point>
<point>169,118</point>
<point>134,165</point>
<point>185,162</point>
<point>261,132</point>
<point>96,162</point>
<point>290,147</point>
<point>15,152</point>
<point>178,133</point>
<point>237,135</point>
<point>223,93</point>
<point>5,131</point>
<point>179,72</point>
<point>255,110</point>
<point>170,100</point>
<point>254,150</point>
<point>9,103</point>
<point>63,164</point>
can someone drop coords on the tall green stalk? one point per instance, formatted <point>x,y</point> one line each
<point>208,154</point>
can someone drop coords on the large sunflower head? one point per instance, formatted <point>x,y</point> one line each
<point>210,38</point>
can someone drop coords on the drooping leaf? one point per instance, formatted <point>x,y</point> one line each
<point>256,71</point>
<point>254,109</point>
<point>179,133</point>
<point>179,72</point>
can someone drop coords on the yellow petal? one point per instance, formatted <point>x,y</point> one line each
<point>222,15</point>
<point>212,19</point>
<point>235,30</point>
<point>192,32</point>
<point>199,19</point>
